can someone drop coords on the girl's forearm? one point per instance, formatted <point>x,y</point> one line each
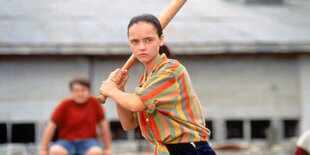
<point>128,101</point>
<point>126,117</point>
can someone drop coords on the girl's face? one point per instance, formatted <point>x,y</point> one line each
<point>144,41</point>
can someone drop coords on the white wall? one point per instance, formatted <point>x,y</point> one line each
<point>236,86</point>
<point>229,87</point>
<point>246,86</point>
<point>304,69</point>
<point>30,87</point>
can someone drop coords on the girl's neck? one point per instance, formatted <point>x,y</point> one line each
<point>150,65</point>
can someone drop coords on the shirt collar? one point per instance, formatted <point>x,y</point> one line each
<point>159,61</point>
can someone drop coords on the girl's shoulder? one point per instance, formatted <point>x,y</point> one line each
<point>171,65</point>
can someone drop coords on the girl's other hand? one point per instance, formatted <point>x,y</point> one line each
<point>107,87</point>
<point>125,76</point>
<point>116,76</point>
<point>120,77</point>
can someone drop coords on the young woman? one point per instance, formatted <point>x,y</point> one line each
<point>165,106</point>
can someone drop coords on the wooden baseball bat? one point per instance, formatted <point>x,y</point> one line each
<point>164,19</point>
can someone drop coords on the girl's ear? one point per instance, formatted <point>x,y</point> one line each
<point>162,38</point>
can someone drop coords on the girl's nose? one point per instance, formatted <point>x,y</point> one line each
<point>142,46</point>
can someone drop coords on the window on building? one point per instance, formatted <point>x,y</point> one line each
<point>138,134</point>
<point>290,128</point>
<point>209,125</point>
<point>258,128</point>
<point>3,133</point>
<point>234,129</point>
<point>117,131</point>
<point>23,133</point>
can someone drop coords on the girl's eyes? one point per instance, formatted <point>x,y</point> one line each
<point>134,42</point>
<point>148,40</point>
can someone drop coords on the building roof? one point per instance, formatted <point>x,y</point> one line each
<point>98,27</point>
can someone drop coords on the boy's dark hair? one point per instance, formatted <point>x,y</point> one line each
<point>80,80</point>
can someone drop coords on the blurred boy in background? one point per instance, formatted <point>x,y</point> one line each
<point>76,118</point>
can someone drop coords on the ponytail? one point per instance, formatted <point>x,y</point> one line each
<point>165,49</point>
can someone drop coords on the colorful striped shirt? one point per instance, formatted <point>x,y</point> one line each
<point>174,113</point>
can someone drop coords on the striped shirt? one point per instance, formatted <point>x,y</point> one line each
<point>174,113</point>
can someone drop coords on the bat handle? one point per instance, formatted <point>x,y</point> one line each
<point>132,59</point>
<point>101,99</point>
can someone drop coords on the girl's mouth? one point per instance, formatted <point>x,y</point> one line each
<point>143,55</point>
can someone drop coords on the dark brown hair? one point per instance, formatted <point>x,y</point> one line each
<point>153,20</point>
<point>80,80</point>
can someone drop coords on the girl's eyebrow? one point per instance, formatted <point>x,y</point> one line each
<point>143,38</point>
<point>148,37</point>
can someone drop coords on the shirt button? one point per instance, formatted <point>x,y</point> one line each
<point>147,119</point>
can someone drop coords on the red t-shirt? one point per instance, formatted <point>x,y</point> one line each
<point>77,122</point>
